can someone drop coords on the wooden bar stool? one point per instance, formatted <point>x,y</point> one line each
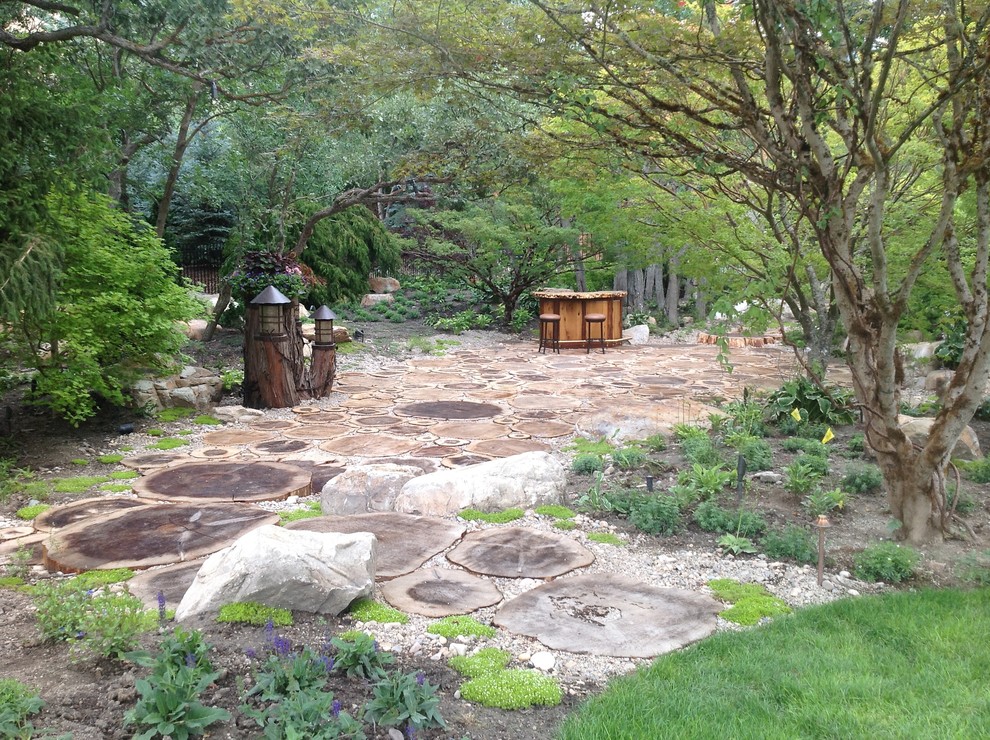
<point>590,320</point>
<point>549,332</point>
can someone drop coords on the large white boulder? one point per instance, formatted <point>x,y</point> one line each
<point>318,572</point>
<point>529,479</point>
<point>637,334</point>
<point>364,488</point>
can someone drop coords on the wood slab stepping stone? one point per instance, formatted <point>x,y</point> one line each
<point>31,543</point>
<point>15,533</point>
<point>317,431</point>
<point>370,445</point>
<point>156,534</point>
<point>320,473</point>
<point>426,464</point>
<point>610,614</point>
<point>519,552</point>
<point>215,453</point>
<point>172,580</point>
<point>543,402</point>
<point>152,460</point>
<point>274,425</point>
<point>280,446</point>
<point>451,410</point>
<point>405,541</point>
<point>463,460</point>
<point>470,429</point>
<point>58,517</point>
<point>539,428</point>
<point>321,418</point>
<point>440,592</point>
<point>236,437</point>
<point>224,480</point>
<point>506,447</point>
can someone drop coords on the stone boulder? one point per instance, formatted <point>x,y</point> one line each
<point>529,479</point>
<point>637,334</point>
<point>194,387</point>
<point>194,328</point>
<point>237,414</point>
<point>380,284</point>
<point>363,488</point>
<point>917,429</point>
<point>317,572</point>
<point>938,381</point>
<point>373,299</point>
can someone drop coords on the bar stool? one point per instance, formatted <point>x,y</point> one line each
<point>590,320</point>
<point>549,332</point>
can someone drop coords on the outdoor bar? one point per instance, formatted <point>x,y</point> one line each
<point>572,307</point>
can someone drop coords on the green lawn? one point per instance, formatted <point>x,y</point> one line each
<point>905,665</point>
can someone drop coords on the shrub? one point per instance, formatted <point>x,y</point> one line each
<point>977,471</point>
<point>250,612</point>
<point>887,562</point>
<point>829,406</point>
<point>756,452</point>
<point>745,417</point>
<point>822,502</point>
<point>587,463</point>
<point>360,657</point>
<point>369,610</point>
<point>807,446</point>
<point>800,479</point>
<point>860,479</point>
<point>455,626</point>
<point>656,515</point>
<point>857,444</point>
<point>404,699</point>
<point>700,450</point>
<point>816,463</point>
<point>790,543</point>
<point>512,689</point>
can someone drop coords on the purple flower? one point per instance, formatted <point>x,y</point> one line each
<point>420,679</point>
<point>282,645</point>
<point>251,653</point>
<point>269,630</point>
<point>335,708</point>
<point>161,606</point>
<point>375,646</point>
<point>190,660</point>
<point>410,731</point>
<point>327,662</point>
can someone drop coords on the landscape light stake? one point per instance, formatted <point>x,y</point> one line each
<point>822,523</point>
<point>740,474</point>
<point>649,483</point>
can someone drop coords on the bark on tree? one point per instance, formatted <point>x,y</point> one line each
<point>673,288</point>
<point>636,290</point>
<point>271,376</point>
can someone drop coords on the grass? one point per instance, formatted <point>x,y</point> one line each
<point>313,509</point>
<point>250,612</point>
<point>457,625</point>
<point>369,610</point>
<point>78,484</point>
<point>167,443</point>
<point>350,348</point>
<point>606,538</point>
<point>898,665</point>
<point>124,474</point>
<point>110,459</point>
<point>554,510</point>
<point>174,414</point>
<point>585,446</point>
<point>498,517</point>
<point>30,512</point>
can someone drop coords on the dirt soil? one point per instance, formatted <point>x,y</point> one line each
<point>88,699</point>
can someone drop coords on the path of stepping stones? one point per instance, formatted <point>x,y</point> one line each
<point>450,411</point>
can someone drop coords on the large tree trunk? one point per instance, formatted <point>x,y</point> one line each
<point>673,288</point>
<point>272,367</point>
<point>637,284</point>
<point>619,282</point>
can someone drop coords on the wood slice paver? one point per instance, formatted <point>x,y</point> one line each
<point>59,517</point>
<point>451,410</point>
<point>610,614</point>
<point>520,552</point>
<point>225,437</point>
<point>506,447</point>
<point>172,581</point>
<point>153,460</point>
<point>405,541</point>
<point>224,480</point>
<point>440,592</point>
<point>370,445</point>
<point>145,536</point>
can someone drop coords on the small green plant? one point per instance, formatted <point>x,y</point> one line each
<point>585,446</point>
<point>745,417</point>
<point>857,444</point>
<point>818,503</point>
<point>816,463</point>
<point>595,499</point>
<point>699,448</point>
<point>360,657</point>
<point>702,483</point>
<point>861,479</point>
<point>124,475</point>
<point>736,545</point>
<point>78,484</point>
<point>824,406</point>
<point>19,563</point>
<point>155,432</point>
<point>174,414</point>
<point>79,461</point>
<point>17,704</point>
<point>168,700</point>
<point>628,458</point>
<point>974,569</point>
<point>800,479</point>
<point>656,515</point>
<point>14,582</point>
<point>713,518</point>
<point>606,538</point>
<point>93,579</point>
<point>404,700</point>
<point>110,459</point>
<point>168,443</point>
<point>807,446</point>
<point>369,610</point>
<point>587,463</point>
<point>977,471</point>
<point>482,663</point>
<point>231,379</point>
<point>250,612</point>
<point>755,451</point>
<point>30,512</point>
<point>751,602</point>
<point>312,509</point>
<point>498,517</point>
<point>512,689</point>
<point>790,543</point>
<point>457,625</point>
<point>554,510</point>
<point>206,420</point>
<point>887,562</point>
<point>960,502</point>
<point>654,443</point>
<point>565,524</point>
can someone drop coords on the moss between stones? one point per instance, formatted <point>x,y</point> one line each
<point>99,578</point>
<point>514,689</point>
<point>250,612</point>
<point>557,512</point>
<point>30,512</point>
<point>751,602</point>
<point>455,626</point>
<point>484,662</point>
<point>606,538</point>
<point>498,517</point>
<point>369,610</point>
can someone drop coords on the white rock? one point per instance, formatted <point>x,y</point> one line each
<point>525,480</point>
<point>363,488</point>
<point>319,572</point>
<point>237,414</point>
<point>852,592</point>
<point>543,661</point>
<point>457,648</point>
<point>637,334</point>
<point>917,429</point>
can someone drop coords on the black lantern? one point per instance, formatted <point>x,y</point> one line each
<point>269,303</point>
<point>324,318</point>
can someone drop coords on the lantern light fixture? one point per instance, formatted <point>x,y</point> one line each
<point>324,319</point>
<point>270,302</point>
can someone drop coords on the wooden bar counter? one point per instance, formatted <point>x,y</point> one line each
<point>573,307</point>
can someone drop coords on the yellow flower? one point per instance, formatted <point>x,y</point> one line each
<point>828,436</point>
<point>796,415</point>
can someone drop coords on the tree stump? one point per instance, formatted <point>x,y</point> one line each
<point>272,363</point>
